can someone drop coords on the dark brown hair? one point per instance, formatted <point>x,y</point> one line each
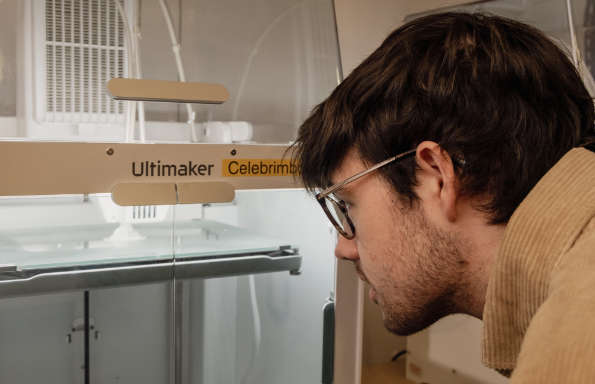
<point>495,92</point>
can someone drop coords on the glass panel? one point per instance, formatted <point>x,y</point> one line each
<point>64,259</point>
<point>38,341</point>
<point>277,59</point>
<point>57,256</point>
<point>246,315</point>
<point>132,336</point>
<point>106,268</point>
<point>263,326</point>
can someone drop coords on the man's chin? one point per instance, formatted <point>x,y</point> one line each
<point>403,329</point>
<point>406,325</point>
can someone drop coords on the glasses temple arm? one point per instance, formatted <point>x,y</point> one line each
<point>333,188</point>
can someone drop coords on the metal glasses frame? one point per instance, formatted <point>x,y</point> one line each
<point>324,195</point>
<point>340,204</point>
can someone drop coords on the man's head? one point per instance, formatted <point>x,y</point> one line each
<point>489,105</point>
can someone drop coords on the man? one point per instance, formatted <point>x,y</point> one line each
<point>455,164</point>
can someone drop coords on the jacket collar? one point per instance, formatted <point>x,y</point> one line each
<point>544,226</point>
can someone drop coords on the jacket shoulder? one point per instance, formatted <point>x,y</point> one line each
<point>559,346</point>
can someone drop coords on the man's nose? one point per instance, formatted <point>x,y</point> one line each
<point>346,249</point>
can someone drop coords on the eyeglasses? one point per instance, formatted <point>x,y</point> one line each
<point>336,209</point>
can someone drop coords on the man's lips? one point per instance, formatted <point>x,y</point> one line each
<point>361,274</point>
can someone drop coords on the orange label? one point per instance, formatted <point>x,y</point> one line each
<point>258,167</point>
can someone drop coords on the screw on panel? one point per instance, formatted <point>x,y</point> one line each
<point>234,152</point>
<point>109,151</point>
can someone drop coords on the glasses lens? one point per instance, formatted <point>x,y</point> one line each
<point>338,216</point>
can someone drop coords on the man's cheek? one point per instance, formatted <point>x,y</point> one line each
<point>366,254</point>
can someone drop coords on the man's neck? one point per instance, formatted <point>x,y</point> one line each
<point>483,242</point>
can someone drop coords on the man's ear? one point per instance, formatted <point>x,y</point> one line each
<point>437,180</point>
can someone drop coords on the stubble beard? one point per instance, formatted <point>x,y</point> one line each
<point>432,282</point>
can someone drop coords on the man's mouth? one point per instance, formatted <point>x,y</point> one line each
<point>361,274</point>
<point>372,295</point>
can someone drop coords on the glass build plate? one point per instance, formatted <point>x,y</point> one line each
<point>97,245</point>
<point>202,238</point>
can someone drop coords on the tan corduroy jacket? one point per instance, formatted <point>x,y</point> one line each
<point>539,316</point>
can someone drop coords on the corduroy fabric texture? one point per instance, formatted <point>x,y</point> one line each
<point>539,316</point>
